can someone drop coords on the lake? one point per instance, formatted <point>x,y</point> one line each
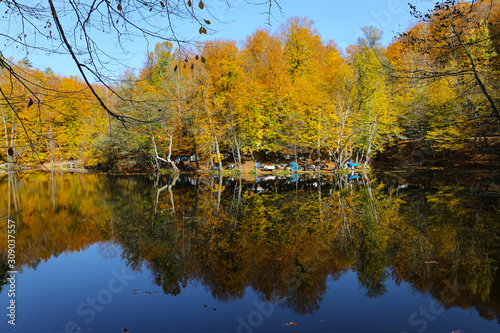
<point>385,252</point>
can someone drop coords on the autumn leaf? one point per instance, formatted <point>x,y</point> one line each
<point>162,4</point>
<point>291,324</point>
<point>189,3</point>
<point>201,5</point>
<point>207,21</point>
<point>119,7</point>
<point>203,59</point>
<point>30,103</point>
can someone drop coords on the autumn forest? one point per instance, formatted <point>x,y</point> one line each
<point>250,185</point>
<point>281,90</point>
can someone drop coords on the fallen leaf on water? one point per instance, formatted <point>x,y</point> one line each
<point>291,324</point>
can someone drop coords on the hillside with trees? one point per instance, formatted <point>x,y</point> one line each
<point>285,91</point>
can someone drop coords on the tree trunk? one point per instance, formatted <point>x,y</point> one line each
<point>196,154</point>
<point>168,160</point>
<point>172,163</point>
<point>218,154</point>
<point>51,142</point>
<point>238,150</point>
<point>9,158</point>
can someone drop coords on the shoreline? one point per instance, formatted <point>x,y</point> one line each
<point>405,156</point>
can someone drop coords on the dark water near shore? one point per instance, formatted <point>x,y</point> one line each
<point>388,252</point>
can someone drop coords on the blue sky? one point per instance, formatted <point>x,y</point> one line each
<point>335,20</point>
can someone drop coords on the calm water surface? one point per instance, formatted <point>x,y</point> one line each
<point>389,252</point>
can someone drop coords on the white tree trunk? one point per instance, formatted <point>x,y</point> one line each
<point>168,160</point>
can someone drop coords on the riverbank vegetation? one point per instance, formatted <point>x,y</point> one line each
<point>285,91</point>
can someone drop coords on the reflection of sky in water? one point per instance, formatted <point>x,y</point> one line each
<point>48,299</point>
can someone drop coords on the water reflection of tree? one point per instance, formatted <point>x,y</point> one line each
<point>4,268</point>
<point>451,251</point>
<point>53,214</point>
<point>285,243</point>
<point>284,249</point>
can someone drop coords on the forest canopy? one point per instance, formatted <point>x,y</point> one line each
<point>282,90</point>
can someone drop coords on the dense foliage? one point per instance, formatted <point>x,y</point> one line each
<point>286,91</point>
